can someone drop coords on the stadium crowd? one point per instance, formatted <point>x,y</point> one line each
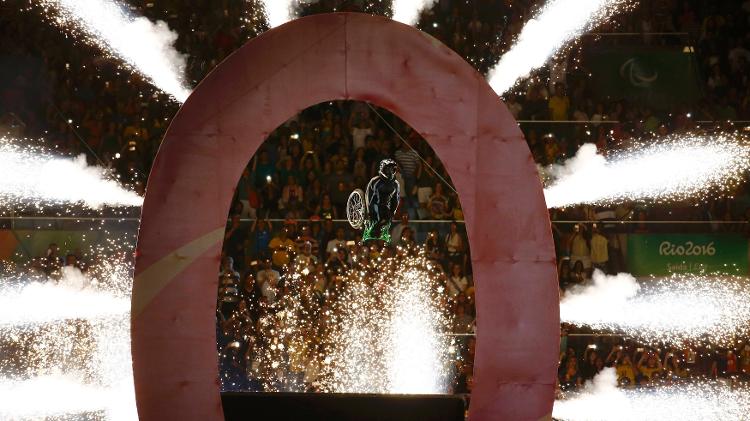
<point>294,190</point>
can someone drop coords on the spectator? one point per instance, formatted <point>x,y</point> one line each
<point>260,233</point>
<point>457,282</point>
<point>625,371</point>
<point>463,322</point>
<point>291,195</point>
<point>306,236</point>
<point>234,241</point>
<point>306,258</point>
<point>336,243</point>
<point>559,104</point>
<point>599,250</point>
<point>438,204</point>
<point>455,246</point>
<point>649,366</point>
<point>398,229</point>
<point>281,248</point>
<point>229,291</point>
<point>268,281</point>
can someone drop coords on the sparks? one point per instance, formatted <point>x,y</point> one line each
<point>32,176</point>
<point>556,24</point>
<point>65,343</point>
<point>145,46</point>
<point>671,310</point>
<point>389,334</point>
<point>689,400</point>
<point>670,169</point>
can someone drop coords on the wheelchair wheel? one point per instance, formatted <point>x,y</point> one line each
<point>355,209</point>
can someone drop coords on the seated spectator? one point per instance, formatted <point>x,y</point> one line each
<point>336,243</point>
<point>457,282</point>
<point>268,281</point>
<point>434,247</point>
<point>438,204</point>
<point>281,248</point>
<point>229,289</point>
<point>291,195</point>
<point>462,321</point>
<point>325,209</point>
<point>398,229</point>
<point>306,258</point>
<point>559,104</point>
<point>306,236</point>
<point>569,376</point>
<point>425,181</point>
<point>407,238</point>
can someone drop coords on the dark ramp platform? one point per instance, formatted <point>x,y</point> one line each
<point>340,407</point>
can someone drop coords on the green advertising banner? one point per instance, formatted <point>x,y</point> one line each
<point>664,254</point>
<point>657,78</point>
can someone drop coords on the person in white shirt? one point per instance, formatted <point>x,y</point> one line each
<point>268,279</point>
<point>457,282</point>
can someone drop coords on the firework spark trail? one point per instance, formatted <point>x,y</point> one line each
<point>31,176</point>
<point>407,11</point>
<point>556,24</point>
<point>143,45</point>
<point>672,310</point>
<point>673,168</point>
<point>693,400</point>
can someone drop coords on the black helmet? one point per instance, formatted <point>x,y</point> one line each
<point>387,169</point>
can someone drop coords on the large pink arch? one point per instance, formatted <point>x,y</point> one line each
<point>222,124</point>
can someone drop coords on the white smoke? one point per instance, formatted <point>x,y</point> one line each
<point>407,11</point>
<point>607,295</point>
<point>556,24</point>
<point>145,46</point>
<point>74,296</point>
<point>31,176</point>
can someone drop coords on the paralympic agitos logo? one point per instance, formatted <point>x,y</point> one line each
<point>667,248</point>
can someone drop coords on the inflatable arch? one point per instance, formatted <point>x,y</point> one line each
<point>226,119</point>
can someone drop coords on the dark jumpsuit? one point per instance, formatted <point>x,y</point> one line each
<point>382,203</point>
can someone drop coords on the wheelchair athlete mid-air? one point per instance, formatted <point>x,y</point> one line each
<point>373,210</point>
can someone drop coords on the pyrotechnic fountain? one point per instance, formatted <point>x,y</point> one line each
<point>33,177</point>
<point>144,46</point>
<point>558,23</point>
<point>66,343</point>
<point>665,310</point>
<point>660,170</point>
<point>64,333</point>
